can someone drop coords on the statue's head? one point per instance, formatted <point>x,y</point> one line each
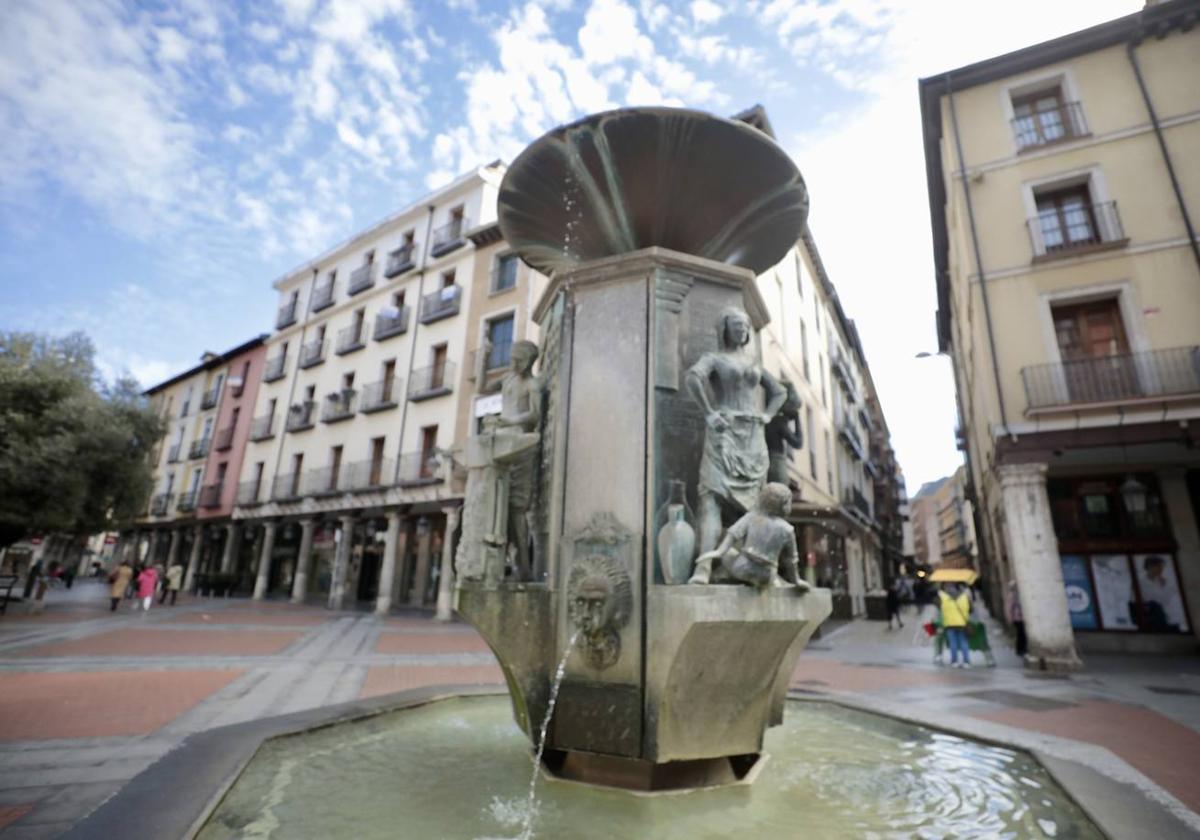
<point>599,603</point>
<point>775,499</point>
<point>734,328</point>
<point>593,606</point>
<point>524,354</point>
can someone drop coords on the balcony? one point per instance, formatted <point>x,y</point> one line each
<point>210,496</point>
<point>857,502</point>
<point>160,504</point>
<point>287,315</point>
<point>390,322</point>
<point>431,381</point>
<point>263,427</point>
<point>174,452</point>
<point>365,476</point>
<point>350,339</point>
<point>1071,230</point>
<point>300,416</point>
<point>224,439</point>
<point>274,368</point>
<point>186,502</point>
<point>400,260</point>
<point>326,481</point>
<point>361,279</point>
<point>1157,376</point>
<point>441,304</point>
<point>338,406</point>
<point>312,353</point>
<point>199,448</point>
<point>1057,124</point>
<point>210,397</point>
<point>850,435</point>
<point>286,488</point>
<point>418,469</point>
<point>247,493</point>
<point>323,296</point>
<point>381,395</point>
<point>448,237</point>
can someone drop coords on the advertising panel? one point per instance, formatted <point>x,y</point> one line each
<point>1162,602</point>
<point>1114,591</point>
<point>1080,599</point>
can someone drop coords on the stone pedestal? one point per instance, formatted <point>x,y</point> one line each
<point>1033,550</point>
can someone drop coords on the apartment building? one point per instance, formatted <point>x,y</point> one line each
<point>1063,186</point>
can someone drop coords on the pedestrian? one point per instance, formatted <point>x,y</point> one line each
<point>120,582</point>
<point>147,581</point>
<point>172,584</point>
<point>1016,617</point>
<point>893,604</point>
<point>956,611</point>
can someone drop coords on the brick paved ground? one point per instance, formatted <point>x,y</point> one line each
<point>90,698</point>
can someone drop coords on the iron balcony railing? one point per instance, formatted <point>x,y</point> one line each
<point>210,495</point>
<point>1173,372</point>
<point>431,381</point>
<point>361,279</point>
<point>274,368</point>
<point>312,353</point>
<point>448,237</point>
<point>418,468</point>
<point>1050,125</point>
<point>1070,227</point>
<point>338,406</point>
<point>263,427</point>
<point>286,488</point>
<point>400,260</point>
<point>174,452</point>
<point>224,438</point>
<point>853,441</point>
<point>300,416</point>
<point>199,448</point>
<point>350,339</point>
<point>855,500</point>
<point>323,296</point>
<point>209,398</point>
<point>287,315</point>
<point>364,476</point>
<point>390,322</point>
<point>186,501</point>
<point>325,481</point>
<point>380,395</point>
<point>247,493</point>
<point>441,304</point>
<point>160,504</point>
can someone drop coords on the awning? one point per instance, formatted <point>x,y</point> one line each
<point>967,576</point>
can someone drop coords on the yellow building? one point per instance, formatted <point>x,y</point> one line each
<point>1064,180</point>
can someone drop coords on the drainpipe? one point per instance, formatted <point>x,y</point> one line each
<point>987,310</point>
<point>412,355</point>
<point>1131,52</point>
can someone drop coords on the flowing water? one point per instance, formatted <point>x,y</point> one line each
<point>531,801</point>
<point>459,768</point>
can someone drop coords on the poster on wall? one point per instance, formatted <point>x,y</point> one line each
<point>1081,601</point>
<point>1162,602</point>
<point>1114,591</point>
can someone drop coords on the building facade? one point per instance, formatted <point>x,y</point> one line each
<point>1063,182</point>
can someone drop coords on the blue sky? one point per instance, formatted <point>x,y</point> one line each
<point>163,162</point>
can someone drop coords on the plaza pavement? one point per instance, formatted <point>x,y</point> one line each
<point>89,698</point>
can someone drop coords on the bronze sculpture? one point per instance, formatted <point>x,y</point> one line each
<point>521,412</point>
<point>784,430</point>
<point>758,549</point>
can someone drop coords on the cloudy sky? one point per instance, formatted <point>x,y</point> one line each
<point>163,162</point>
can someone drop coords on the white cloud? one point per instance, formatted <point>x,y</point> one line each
<point>610,33</point>
<point>706,12</point>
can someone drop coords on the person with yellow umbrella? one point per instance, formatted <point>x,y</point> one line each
<point>955,608</point>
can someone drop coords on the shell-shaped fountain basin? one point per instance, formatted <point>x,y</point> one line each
<point>634,178</point>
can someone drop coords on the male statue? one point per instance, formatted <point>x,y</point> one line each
<point>521,412</point>
<point>759,549</point>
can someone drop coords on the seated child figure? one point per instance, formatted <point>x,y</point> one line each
<point>759,549</point>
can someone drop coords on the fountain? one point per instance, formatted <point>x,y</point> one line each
<point>631,568</point>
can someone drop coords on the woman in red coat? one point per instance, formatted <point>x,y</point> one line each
<point>147,582</point>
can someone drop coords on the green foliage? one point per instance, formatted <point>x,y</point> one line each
<point>73,451</point>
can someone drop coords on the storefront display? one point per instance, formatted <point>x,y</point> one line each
<point>1162,609</point>
<point>1114,591</point>
<point>1081,599</point>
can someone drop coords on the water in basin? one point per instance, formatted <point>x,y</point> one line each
<point>459,768</point>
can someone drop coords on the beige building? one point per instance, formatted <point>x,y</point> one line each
<point>1063,182</point>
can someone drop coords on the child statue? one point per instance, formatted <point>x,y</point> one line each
<point>759,549</point>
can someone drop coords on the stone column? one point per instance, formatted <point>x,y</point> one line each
<point>189,577</point>
<point>173,551</point>
<point>387,571</point>
<point>233,542</point>
<point>152,551</point>
<point>303,561</point>
<point>1033,551</point>
<point>341,563</point>
<point>421,579</point>
<point>264,561</point>
<point>445,598</point>
<point>1173,483</point>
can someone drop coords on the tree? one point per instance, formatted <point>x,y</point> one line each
<point>73,450</point>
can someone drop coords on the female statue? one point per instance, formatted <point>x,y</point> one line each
<point>733,467</point>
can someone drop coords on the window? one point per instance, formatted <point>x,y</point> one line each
<point>208,424</point>
<point>233,418</point>
<point>506,273</point>
<point>321,333</point>
<point>829,460</point>
<point>1066,218</point>
<point>310,393</point>
<point>428,445</point>
<point>804,351</point>
<point>448,279</point>
<point>799,275</point>
<point>398,300</point>
<point>335,466</point>
<point>195,481</point>
<point>389,381</point>
<point>375,475</point>
<point>821,369</point>
<point>437,371</point>
<point>811,437</point>
<point>1092,342</point>
<point>369,258</point>
<point>1045,116</point>
<point>347,381</point>
<point>297,469</point>
<point>258,474</point>
<point>499,337</point>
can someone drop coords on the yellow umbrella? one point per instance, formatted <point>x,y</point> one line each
<point>967,576</point>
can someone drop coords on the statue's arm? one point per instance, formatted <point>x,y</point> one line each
<point>776,395</point>
<point>697,386</point>
<point>793,434</point>
<point>531,416</point>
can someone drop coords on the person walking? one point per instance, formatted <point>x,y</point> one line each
<point>1016,617</point>
<point>120,582</point>
<point>956,611</point>
<point>147,582</point>
<point>893,604</point>
<point>172,584</point>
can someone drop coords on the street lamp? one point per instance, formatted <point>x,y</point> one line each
<point>1133,492</point>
